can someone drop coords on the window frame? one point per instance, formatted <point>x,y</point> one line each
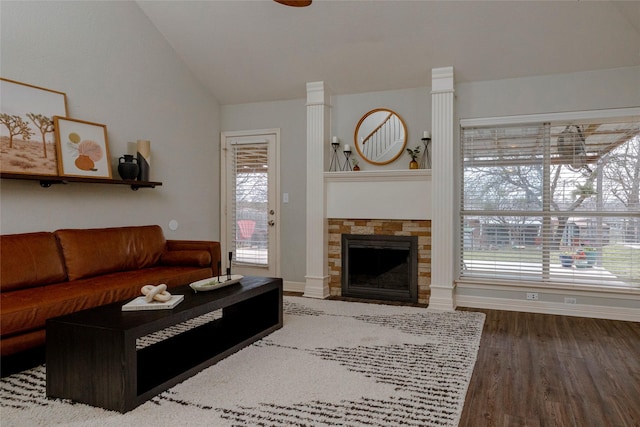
<point>546,212</point>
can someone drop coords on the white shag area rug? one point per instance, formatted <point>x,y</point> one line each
<point>333,363</point>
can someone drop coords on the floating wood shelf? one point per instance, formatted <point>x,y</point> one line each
<point>47,181</point>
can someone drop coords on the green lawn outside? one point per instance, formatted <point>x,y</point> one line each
<point>621,260</point>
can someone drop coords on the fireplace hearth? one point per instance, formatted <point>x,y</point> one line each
<point>381,267</point>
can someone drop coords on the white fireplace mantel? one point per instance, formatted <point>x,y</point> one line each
<point>379,194</point>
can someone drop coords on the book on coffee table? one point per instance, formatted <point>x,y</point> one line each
<point>140,304</point>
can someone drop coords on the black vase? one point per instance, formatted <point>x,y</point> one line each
<point>128,167</point>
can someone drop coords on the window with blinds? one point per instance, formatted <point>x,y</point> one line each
<point>551,202</point>
<point>250,191</point>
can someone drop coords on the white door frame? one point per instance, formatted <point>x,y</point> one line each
<point>273,204</point>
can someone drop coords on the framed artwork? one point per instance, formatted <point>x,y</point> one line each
<point>27,140</point>
<point>82,148</point>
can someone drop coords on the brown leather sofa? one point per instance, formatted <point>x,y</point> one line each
<point>49,274</point>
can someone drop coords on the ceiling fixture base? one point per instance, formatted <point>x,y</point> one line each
<point>294,3</point>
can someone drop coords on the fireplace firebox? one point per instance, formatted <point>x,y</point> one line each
<point>380,267</point>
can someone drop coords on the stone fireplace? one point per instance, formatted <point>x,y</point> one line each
<point>420,229</point>
<point>382,200</point>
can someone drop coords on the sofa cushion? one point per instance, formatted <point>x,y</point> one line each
<point>194,258</point>
<point>21,342</point>
<point>92,252</point>
<point>28,309</point>
<point>30,259</point>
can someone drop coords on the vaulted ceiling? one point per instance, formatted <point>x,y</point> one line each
<point>252,51</point>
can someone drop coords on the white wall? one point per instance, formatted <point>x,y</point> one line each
<point>116,69</point>
<point>412,105</point>
<point>348,195</point>
<point>588,90</point>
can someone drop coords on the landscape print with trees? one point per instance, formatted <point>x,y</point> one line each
<point>27,137</point>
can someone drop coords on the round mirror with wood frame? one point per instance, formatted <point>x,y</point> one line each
<point>380,136</point>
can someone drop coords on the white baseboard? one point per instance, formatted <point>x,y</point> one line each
<point>546,307</point>
<point>316,287</point>
<point>510,304</point>
<point>441,298</point>
<point>293,286</point>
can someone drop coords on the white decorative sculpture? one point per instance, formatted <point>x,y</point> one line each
<point>157,293</point>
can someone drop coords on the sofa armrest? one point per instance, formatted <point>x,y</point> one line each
<point>198,245</point>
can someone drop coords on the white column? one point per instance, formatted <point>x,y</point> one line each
<point>317,277</point>
<point>443,219</point>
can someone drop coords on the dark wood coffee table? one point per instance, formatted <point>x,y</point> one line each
<point>92,356</point>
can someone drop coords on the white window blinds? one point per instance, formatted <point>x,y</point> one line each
<point>250,185</point>
<point>552,202</point>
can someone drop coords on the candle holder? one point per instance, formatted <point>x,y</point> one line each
<point>425,161</point>
<point>335,162</point>
<point>347,164</point>
<point>334,166</point>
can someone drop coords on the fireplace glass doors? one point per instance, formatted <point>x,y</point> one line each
<point>380,267</point>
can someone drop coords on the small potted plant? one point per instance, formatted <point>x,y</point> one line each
<point>580,259</point>
<point>414,155</point>
<point>566,259</point>
<point>591,254</point>
<point>355,164</point>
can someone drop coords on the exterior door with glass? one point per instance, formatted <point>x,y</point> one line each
<point>249,195</point>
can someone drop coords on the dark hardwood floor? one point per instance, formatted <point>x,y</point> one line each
<point>539,370</point>
<point>544,370</point>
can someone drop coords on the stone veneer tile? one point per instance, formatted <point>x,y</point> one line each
<point>392,226</point>
<point>334,237</point>
<point>361,229</point>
